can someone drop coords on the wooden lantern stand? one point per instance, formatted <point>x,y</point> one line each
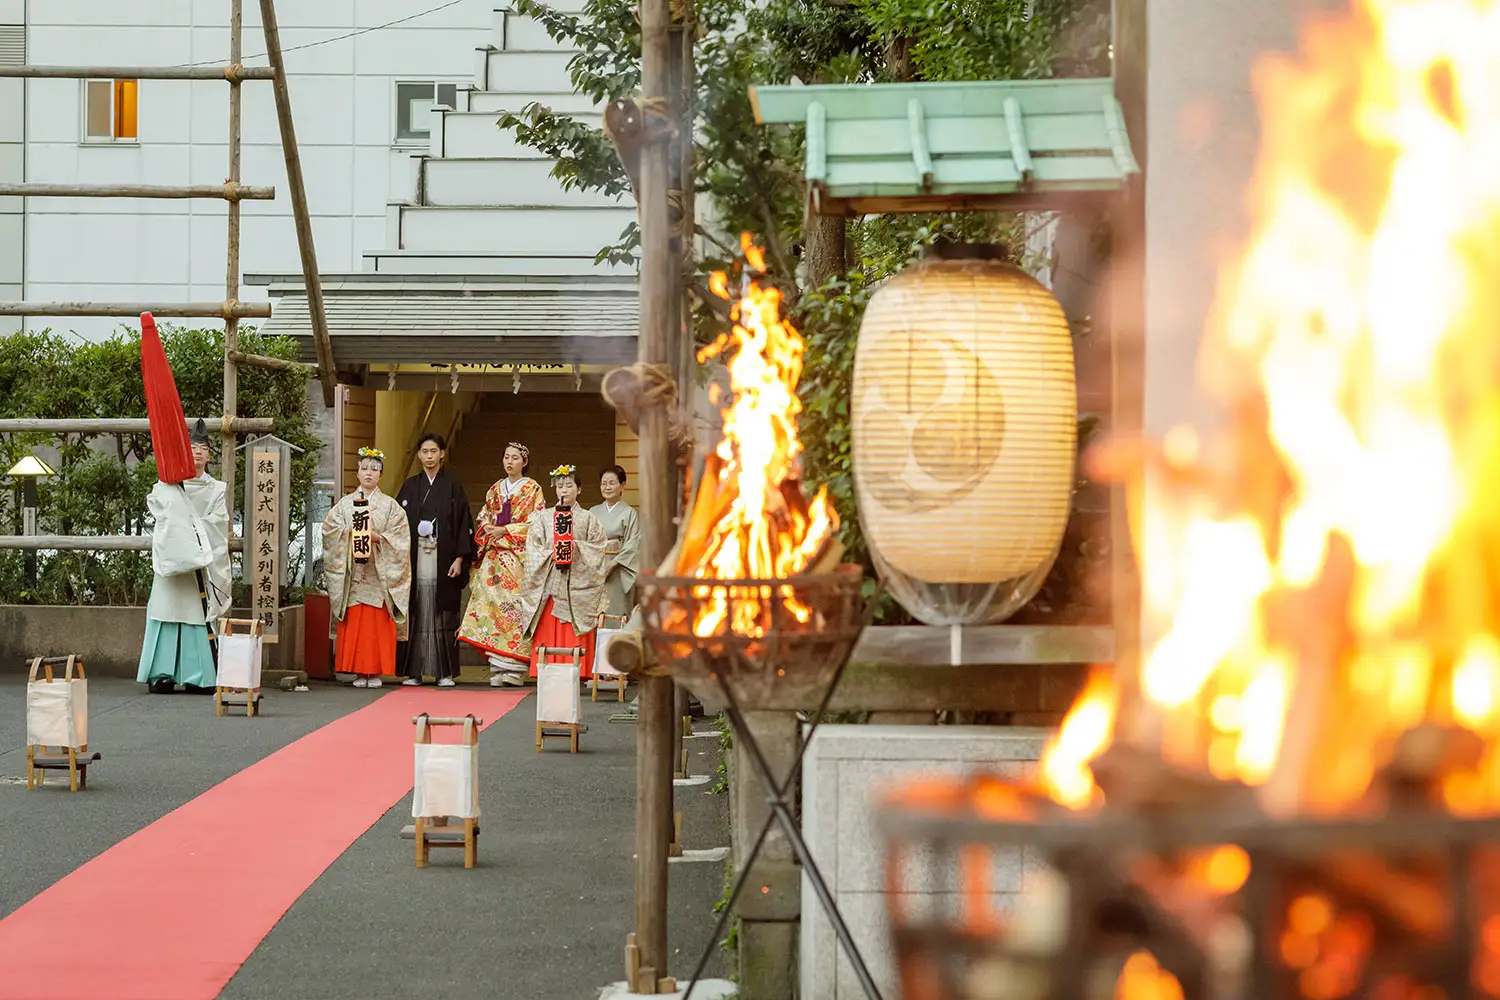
<point>435,831</point>
<point>41,759</point>
<point>617,680</point>
<point>548,728</point>
<point>226,698</point>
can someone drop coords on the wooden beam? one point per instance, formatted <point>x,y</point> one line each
<point>232,191</point>
<point>303,219</point>
<point>172,310</point>
<point>983,646</point>
<point>889,687</point>
<point>123,425</point>
<point>230,73</point>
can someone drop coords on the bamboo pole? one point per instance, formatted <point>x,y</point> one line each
<point>654,726</point>
<point>88,543</point>
<point>232,353</point>
<point>232,192</point>
<point>232,73</point>
<point>122,425</point>
<point>275,364</point>
<point>172,310</point>
<point>300,214</point>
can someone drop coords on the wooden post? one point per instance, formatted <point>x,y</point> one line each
<point>227,454</point>
<point>1127,326</point>
<point>300,213</point>
<point>654,727</point>
<point>679,320</point>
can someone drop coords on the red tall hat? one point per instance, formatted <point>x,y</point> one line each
<point>169,430</point>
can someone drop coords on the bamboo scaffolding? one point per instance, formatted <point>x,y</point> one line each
<point>89,543</point>
<point>173,310</point>
<point>123,425</point>
<point>232,73</point>
<point>275,364</point>
<point>300,214</point>
<point>231,192</point>
<point>233,356</point>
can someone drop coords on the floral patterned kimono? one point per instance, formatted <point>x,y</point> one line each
<point>563,593</point>
<point>369,591</point>
<point>495,620</point>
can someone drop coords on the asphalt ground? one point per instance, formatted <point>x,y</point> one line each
<point>544,914</point>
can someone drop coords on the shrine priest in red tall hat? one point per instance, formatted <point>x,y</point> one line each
<point>189,538</point>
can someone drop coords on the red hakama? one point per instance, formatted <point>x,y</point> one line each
<point>366,643</point>
<point>558,634</point>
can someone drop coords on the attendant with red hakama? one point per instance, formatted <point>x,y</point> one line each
<point>367,562</point>
<point>563,593</point>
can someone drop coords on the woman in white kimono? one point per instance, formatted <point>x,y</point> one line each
<point>190,557</point>
<point>367,562</point>
<point>563,590</point>
<point>622,541</point>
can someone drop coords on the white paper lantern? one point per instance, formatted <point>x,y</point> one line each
<point>964,436</point>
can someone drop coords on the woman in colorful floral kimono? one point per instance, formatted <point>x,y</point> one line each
<point>495,622</point>
<point>622,546</point>
<point>563,592</point>
<point>367,561</point>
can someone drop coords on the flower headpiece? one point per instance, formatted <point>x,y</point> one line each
<point>564,470</point>
<point>375,453</point>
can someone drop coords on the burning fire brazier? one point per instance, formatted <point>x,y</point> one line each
<point>754,595</point>
<point>1297,793</point>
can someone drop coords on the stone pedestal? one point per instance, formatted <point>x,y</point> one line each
<point>846,767</point>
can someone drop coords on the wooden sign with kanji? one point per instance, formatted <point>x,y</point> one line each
<point>266,493</point>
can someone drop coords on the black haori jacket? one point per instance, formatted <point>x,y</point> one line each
<point>442,501</point>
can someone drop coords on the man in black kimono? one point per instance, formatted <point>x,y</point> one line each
<point>442,550</point>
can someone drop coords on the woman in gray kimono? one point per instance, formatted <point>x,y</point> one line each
<point>622,546</point>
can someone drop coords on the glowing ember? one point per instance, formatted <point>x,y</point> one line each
<point>750,519</point>
<point>1329,577</point>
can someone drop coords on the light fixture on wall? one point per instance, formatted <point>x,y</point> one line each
<point>964,435</point>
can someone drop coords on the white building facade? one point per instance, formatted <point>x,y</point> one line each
<point>393,186</point>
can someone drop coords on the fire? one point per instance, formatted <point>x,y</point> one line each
<point>1324,578</point>
<point>750,520</point>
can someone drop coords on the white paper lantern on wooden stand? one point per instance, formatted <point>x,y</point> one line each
<point>964,435</point>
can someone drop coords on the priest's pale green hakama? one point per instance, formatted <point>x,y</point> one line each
<point>190,589</point>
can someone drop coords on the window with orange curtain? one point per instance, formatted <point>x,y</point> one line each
<point>125,109</point>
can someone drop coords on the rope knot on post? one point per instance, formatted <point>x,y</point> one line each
<point>634,389</point>
<point>661,122</point>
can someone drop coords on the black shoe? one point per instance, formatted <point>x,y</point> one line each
<point>162,685</point>
<point>195,689</point>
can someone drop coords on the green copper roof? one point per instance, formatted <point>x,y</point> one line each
<point>924,146</point>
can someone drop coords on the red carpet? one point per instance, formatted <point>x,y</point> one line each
<point>173,911</point>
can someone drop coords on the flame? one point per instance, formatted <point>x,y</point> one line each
<point>1143,979</point>
<point>750,522</point>
<point>1325,577</point>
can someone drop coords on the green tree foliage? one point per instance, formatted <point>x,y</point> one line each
<point>102,482</point>
<point>752,175</point>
